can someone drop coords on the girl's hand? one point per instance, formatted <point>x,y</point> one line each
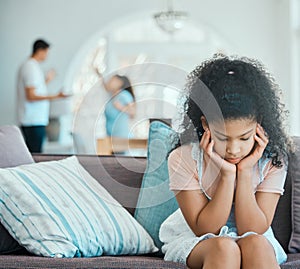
<point>226,168</point>
<point>262,141</point>
<point>98,73</point>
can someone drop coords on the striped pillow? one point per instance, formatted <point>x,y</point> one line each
<point>57,209</point>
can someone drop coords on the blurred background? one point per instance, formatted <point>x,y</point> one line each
<point>141,39</point>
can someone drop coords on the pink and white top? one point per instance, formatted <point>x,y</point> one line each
<point>187,172</point>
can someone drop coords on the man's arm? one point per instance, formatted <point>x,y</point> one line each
<point>50,76</point>
<point>32,97</point>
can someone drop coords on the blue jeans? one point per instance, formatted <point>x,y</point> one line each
<point>34,137</point>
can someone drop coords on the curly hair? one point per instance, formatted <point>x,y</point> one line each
<point>231,87</point>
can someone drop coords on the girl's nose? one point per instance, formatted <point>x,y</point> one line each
<point>233,149</point>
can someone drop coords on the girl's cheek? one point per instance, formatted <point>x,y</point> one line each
<point>251,145</point>
<point>220,147</point>
<point>253,141</point>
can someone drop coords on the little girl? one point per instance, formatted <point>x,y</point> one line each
<point>229,170</point>
<point>120,107</point>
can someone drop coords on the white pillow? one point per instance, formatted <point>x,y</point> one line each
<point>57,209</point>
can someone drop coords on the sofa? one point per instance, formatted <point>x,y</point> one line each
<point>129,171</point>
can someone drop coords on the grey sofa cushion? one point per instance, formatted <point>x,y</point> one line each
<point>107,169</point>
<point>13,153</point>
<point>293,262</point>
<point>124,262</point>
<point>294,245</point>
<point>282,225</point>
<point>25,261</point>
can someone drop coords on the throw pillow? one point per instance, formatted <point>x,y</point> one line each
<point>57,209</point>
<point>156,202</point>
<point>294,244</point>
<point>13,153</point>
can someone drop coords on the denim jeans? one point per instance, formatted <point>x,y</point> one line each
<point>34,137</point>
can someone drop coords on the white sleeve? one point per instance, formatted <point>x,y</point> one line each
<point>30,75</point>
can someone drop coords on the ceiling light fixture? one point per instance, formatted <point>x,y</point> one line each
<point>170,21</point>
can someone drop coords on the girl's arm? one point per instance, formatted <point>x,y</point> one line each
<point>253,212</point>
<point>101,79</point>
<point>205,216</point>
<point>129,108</point>
<point>104,84</point>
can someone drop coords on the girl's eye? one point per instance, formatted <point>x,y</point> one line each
<point>225,139</point>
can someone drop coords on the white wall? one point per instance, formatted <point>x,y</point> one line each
<point>256,28</point>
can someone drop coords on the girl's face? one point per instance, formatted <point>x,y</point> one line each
<point>236,141</point>
<point>114,84</point>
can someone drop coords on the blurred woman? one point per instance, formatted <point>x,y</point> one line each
<point>120,107</point>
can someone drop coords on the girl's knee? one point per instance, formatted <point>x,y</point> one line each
<point>257,252</point>
<point>226,246</point>
<point>216,252</point>
<point>255,243</point>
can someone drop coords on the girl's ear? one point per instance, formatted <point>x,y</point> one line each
<point>204,123</point>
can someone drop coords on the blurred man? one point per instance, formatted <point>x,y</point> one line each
<point>33,98</point>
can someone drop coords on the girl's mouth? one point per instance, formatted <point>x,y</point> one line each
<point>234,160</point>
